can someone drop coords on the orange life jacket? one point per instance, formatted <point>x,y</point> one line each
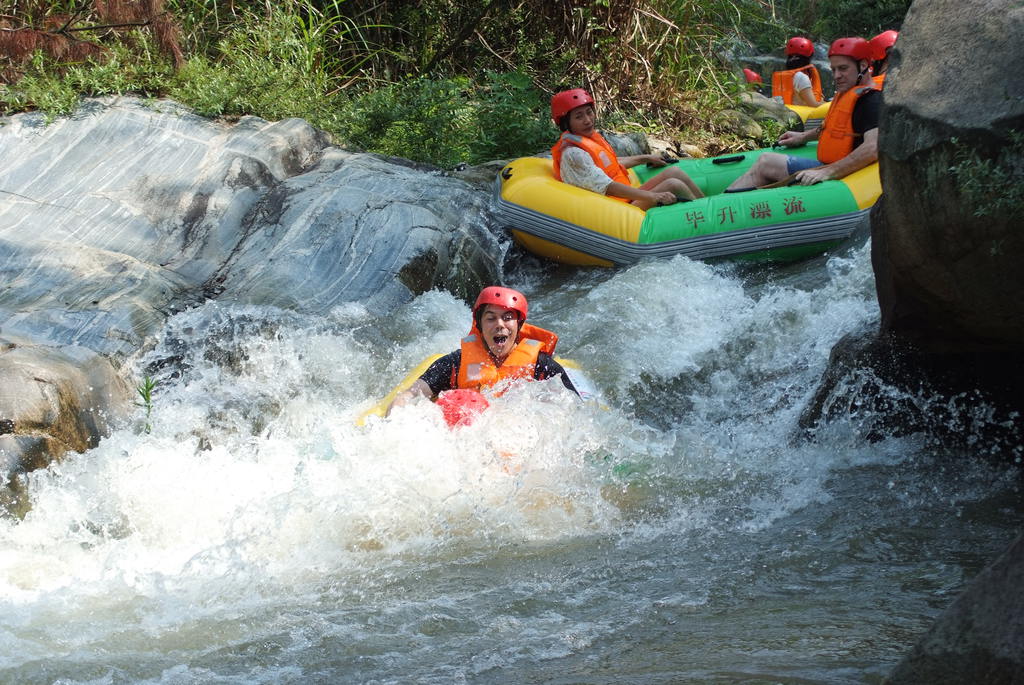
<point>599,150</point>
<point>879,80</point>
<point>477,369</point>
<point>782,83</point>
<point>837,135</point>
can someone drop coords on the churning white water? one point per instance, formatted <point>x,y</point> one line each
<point>677,530</point>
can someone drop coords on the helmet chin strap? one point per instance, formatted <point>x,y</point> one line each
<point>861,73</point>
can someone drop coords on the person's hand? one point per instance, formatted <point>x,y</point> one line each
<point>663,198</point>
<point>809,177</point>
<point>791,139</point>
<point>418,389</point>
<point>655,160</point>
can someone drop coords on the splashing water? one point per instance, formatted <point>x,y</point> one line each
<point>672,531</point>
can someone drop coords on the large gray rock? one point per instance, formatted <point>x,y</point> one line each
<point>762,108</point>
<point>123,213</point>
<point>980,637</point>
<point>53,401</point>
<point>946,240</point>
<point>113,219</point>
<point>947,244</point>
<point>947,249</point>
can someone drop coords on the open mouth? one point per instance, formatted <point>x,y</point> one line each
<point>500,340</point>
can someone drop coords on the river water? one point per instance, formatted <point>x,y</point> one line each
<point>676,531</point>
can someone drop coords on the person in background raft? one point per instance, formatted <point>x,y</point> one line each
<point>583,158</point>
<point>881,46</point>
<point>847,139</point>
<point>500,346</point>
<point>799,83</point>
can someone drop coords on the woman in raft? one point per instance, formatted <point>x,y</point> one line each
<point>583,158</point>
<point>799,83</point>
<point>500,347</point>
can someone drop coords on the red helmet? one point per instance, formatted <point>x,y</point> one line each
<point>798,45</point>
<point>752,76</point>
<point>568,100</point>
<point>855,48</point>
<point>882,42</point>
<point>502,297</point>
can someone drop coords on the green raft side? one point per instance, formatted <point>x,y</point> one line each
<point>714,174</point>
<point>733,211</point>
<point>721,213</point>
<point>787,254</point>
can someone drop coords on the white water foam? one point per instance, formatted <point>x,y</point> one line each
<point>257,516</point>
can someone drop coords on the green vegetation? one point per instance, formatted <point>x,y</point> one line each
<point>993,186</point>
<point>446,121</point>
<point>439,81</point>
<point>145,390</point>
<point>832,20</point>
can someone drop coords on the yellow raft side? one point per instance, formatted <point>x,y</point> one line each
<point>559,253</point>
<point>811,113</point>
<point>865,185</point>
<point>531,183</point>
<point>381,407</point>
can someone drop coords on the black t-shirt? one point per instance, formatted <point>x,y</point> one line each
<point>865,113</point>
<point>443,374</point>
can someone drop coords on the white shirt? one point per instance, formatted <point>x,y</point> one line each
<point>579,169</point>
<point>800,81</point>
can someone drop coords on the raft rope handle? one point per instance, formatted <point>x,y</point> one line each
<point>728,160</point>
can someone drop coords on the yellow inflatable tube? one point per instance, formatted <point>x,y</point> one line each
<point>811,116</point>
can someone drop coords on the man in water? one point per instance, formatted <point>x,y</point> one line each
<point>847,139</point>
<point>500,347</point>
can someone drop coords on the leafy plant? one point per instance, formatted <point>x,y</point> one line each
<point>145,390</point>
<point>512,118</point>
<point>993,185</point>
<point>421,119</point>
<point>773,130</point>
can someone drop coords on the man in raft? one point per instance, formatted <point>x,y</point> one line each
<point>847,139</point>
<point>583,158</point>
<point>881,47</point>
<point>500,346</point>
<point>799,83</point>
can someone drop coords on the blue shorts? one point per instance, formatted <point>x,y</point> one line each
<point>795,164</point>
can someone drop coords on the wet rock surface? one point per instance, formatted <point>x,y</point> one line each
<point>115,218</point>
<point>946,240</point>
<point>947,243</point>
<point>980,637</point>
<point>947,251</point>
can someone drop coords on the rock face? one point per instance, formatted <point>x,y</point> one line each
<point>980,638</point>
<point>946,240</point>
<point>947,244</point>
<point>115,218</point>
<point>947,250</point>
<point>53,400</point>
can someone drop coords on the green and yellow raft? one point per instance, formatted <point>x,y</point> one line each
<point>575,226</point>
